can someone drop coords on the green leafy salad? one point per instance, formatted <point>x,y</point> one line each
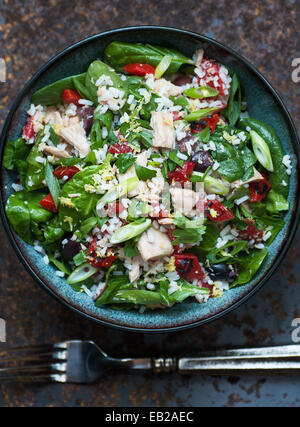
<point>145,182</point>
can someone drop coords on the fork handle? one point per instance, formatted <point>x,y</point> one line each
<point>281,359</point>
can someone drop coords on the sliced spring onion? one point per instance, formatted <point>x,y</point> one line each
<point>129,231</point>
<point>83,272</point>
<point>213,185</point>
<point>119,191</point>
<point>162,66</point>
<point>200,114</point>
<point>261,151</point>
<point>138,209</point>
<point>201,92</point>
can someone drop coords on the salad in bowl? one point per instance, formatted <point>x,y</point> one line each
<point>145,182</point>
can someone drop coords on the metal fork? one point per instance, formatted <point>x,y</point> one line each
<point>85,362</point>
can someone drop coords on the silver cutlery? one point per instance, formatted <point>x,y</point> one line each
<point>85,362</point>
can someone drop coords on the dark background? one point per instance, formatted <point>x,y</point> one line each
<point>266,33</point>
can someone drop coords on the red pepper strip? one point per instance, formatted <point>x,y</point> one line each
<point>259,189</point>
<point>181,174</point>
<point>120,148</point>
<point>48,204</point>
<point>138,69</point>
<point>68,171</point>
<point>70,96</point>
<point>28,130</point>
<point>114,208</point>
<point>215,211</point>
<point>188,267</point>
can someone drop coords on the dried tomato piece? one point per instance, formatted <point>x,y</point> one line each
<point>96,261</point>
<point>259,189</point>
<point>211,76</point>
<point>120,148</point>
<point>181,174</point>
<point>210,121</point>
<point>102,262</point>
<point>251,232</point>
<point>215,211</point>
<point>188,267</point>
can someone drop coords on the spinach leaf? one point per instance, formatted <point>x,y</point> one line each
<point>210,238</point>
<point>179,100</point>
<point>218,255</point>
<point>25,213</point>
<point>186,290</point>
<point>124,161</point>
<point>130,249</point>
<point>163,290</point>
<point>71,216</point>
<point>9,152</point>
<point>248,265</point>
<point>102,221</point>
<point>188,235</point>
<point>35,173</point>
<point>15,155</point>
<point>146,138</point>
<point>87,225</point>
<point>231,169</point>
<point>19,216</point>
<point>53,231</point>
<point>183,222</point>
<point>265,219</point>
<point>52,182</point>
<point>97,69</point>
<point>114,283</point>
<point>234,106</point>
<point>59,265</point>
<point>51,94</point>
<point>144,173</point>
<point>100,120</point>
<point>204,135</point>
<point>275,202</point>
<point>145,111</point>
<point>119,54</point>
<point>79,84</point>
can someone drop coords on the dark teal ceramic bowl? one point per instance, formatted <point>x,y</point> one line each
<point>263,104</point>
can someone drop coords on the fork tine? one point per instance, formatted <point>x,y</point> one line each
<point>41,378</point>
<point>28,349</point>
<point>32,369</point>
<point>57,356</point>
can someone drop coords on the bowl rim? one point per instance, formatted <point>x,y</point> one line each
<point>285,245</point>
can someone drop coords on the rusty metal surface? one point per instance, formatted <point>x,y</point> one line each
<point>267,33</point>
